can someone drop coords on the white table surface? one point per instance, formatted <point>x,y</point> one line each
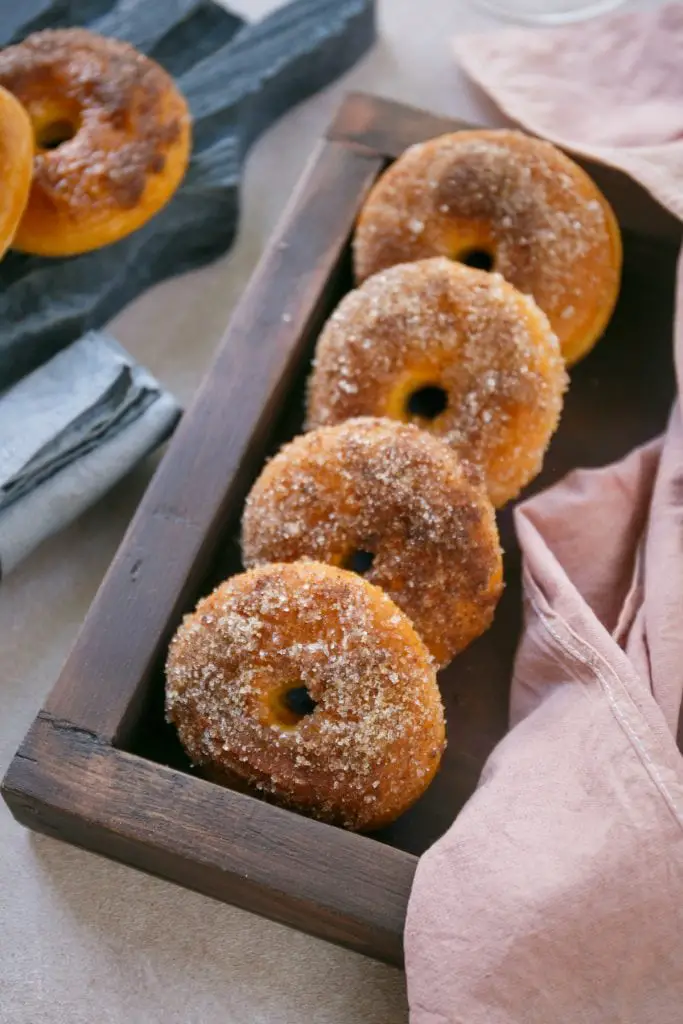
<point>86,941</point>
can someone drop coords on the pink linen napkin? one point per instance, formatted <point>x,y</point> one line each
<point>557,895</point>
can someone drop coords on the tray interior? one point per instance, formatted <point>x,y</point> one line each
<point>619,397</point>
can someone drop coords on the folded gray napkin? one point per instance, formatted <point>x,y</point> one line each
<point>68,432</point>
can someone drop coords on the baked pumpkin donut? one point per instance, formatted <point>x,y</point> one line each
<point>508,202</point>
<point>309,683</point>
<point>16,164</point>
<point>457,351</point>
<point>395,504</point>
<point>112,138</point>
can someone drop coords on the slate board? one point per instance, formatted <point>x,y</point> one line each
<point>238,78</point>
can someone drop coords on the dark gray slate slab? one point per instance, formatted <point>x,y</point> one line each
<point>238,78</point>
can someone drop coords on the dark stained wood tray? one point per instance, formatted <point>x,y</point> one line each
<point>99,767</point>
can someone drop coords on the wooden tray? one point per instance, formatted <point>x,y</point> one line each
<point>99,768</point>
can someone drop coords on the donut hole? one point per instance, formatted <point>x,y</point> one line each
<point>427,402</point>
<point>289,704</point>
<point>54,133</point>
<point>479,259</point>
<point>299,701</point>
<point>359,561</point>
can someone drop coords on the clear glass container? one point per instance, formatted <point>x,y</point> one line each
<point>547,12</point>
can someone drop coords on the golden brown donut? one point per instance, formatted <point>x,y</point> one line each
<point>16,165</point>
<point>457,351</point>
<point>509,199</point>
<point>394,503</point>
<point>112,138</point>
<point>309,683</point>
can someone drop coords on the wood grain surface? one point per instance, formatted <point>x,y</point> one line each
<point>100,767</point>
<point>71,785</point>
<point>197,492</point>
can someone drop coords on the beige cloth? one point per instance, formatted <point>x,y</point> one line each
<point>556,895</point>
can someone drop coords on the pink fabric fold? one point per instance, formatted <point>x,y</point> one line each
<point>556,896</point>
<point>609,88</point>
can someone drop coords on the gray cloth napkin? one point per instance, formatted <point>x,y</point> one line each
<point>68,432</point>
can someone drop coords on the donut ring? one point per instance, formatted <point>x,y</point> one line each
<point>363,738</point>
<point>375,493</point>
<point>16,164</point>
<point>457,351</point>
<point>112,137</point>
<point>514,202</point>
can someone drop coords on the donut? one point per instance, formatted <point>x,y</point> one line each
<point>311,685</point>
<point>508,202</point>
<point>397,505</point>
<point>112,138</point>
<point>16,164</point>
<point>459,352</point>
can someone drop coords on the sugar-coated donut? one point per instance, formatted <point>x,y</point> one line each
<point>396,504</point>
<point>16,165</point>
<point>513,200</point>
<point>457,351</point>
<point>310,684</point>
<point>112,138</point>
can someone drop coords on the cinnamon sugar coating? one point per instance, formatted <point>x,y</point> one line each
<point>472,337</point>
<point>401,497</point>
<point>373,739</point>
<point>546,226</point>
<point>125,135</point>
